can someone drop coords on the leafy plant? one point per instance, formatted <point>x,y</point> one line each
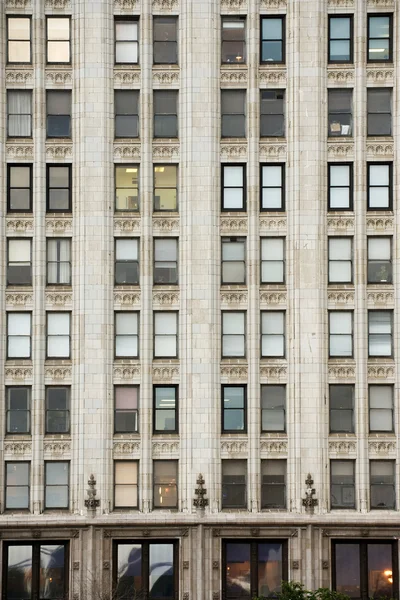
<point>292,590</point>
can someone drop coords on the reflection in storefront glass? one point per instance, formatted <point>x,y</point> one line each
<point>348,569</point>
<point>129,577</point>
<point>380,571</point>
<point>52,572</point>
<point>237,570</point>
<point>269,569</point>
<point>19,573</point>
<point>161,571</point>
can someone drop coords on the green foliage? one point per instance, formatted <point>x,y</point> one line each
<point>291,590</point>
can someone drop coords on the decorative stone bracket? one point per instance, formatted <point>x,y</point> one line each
<point>309,502</point>
<point>200,492</point>
<point>91,501</point>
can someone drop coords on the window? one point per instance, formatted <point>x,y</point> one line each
<point>165,486</point>
<point>340,117</point>
<point>233,49</point>
<point>18,40</point>
<point>380,36</point>
<point>58,40</point>
<point>340,186</point>
<point>165,187</point>
<point>341,408</point>
<point>342,484</point>
<point>272,119</point>
<point>126,417</point>
<point>19,266</point>
<point>127,188</point>
<point>273,39</point>
<point>126,261</point>
<point>234,475</point>
<point>19,111</point>
<point>126,104</point>
<point>380,332</point>
<point>18,410</point>
<point>380,408</point>
<point>273,403</point>
<point>272,187</point>
<point>19,188</point>
<point>165,409</point>
<point>59,188</point>
<point>165,261</point>
<point>272,333</point>
<point>233,187</point>
<point>233,113</point>
<point>56,493</point>
<point>58,114</point>
<point>17,485</point>
<point>340,255</point>
<point>165,335</point>
<point>340,39</point>
<point>58,261</point>
<point>126,335</point>
<point>126,484</point>
<point>379,260</point>
<point>382,484</point>
<point>233,334</point>
<point>234,409</point>
<point>57,409</point>
<point>165,113</point>
<point>165,40</point>
<point>18,335</point>
<point>126,41</point>
<point>340,334</point>
<point>233,268</point>
<point>273,484</point>
<point>58,335</point>
<point>379,102</point>
<point>273,260</point>
<point>380,190</point>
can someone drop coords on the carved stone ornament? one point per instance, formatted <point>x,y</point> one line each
<point>272,151</point>
<point>57,447</point>
<point>325,564</point>
<point>165,373</point>
<point>200,492</point>
<point>215,596</point>
<point>126,4</point>
<point>273,3</point>
<point>273,371</point>
<point>237,297</point>
<point>17,448</point>
<point>380,297</point>
<point>20,151</point>
<point>106,533</point>
<point>125,151</point>
<point>19,77</point>
<point>341,297</point>
<point>341,371</point>
<point>19,298</point>
<point>233,4</point>
<point>185,596</point>
<point>127,225</point>
<point>19,225</point>
<point>255,532</point>
<point>381,447</point>
<point>17,3</point>
<point>166,151</point>
<point>126,372</point>
<point>165,447</point>
<point>58,77</point>
<point>340,3</point>
<point>216,533</point>
<point>342,447</point>
<point>127,77</point>
<point>165,4</point>
<point>57,3</point>
<point>55,152</point>
<point>380,223</point>
<point>91,501</point>
<point>234,76</point>
<point>127,447</point>
<point>336,150</point>
<point>75,596</point>
<point>234,446</point>
<point>381,3</point>
<point>295,564</point>
<point>184,532</point>
<point>273,297</point>
<point>273,223</point>
<point>340,75</point>
<point>215,564</point>
<point>59,373</point>
<point>379,75</point>
<point>185,564</point>
<point>309,502</point>
<point>166,224</point>
<point>59,298</point>
<point>380,150</point>
<point>273,446</point>
<point>166,298</point>
<point>18,373</point>
<point>234,224</point>
<point>233,151</point>
<point>274,76</point>
<point>36,534</point>
<point>380,371</point>
<point>341,223</point>
<point>127,298</point>
<point>75,565</point>
<point>75,533</point>
<point>58,225</point>
<point>146,533</point>
<point>106,564</point>
<point>234,371</point>
<point>166,77</point>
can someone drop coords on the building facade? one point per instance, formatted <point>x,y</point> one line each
<point>199,309</point>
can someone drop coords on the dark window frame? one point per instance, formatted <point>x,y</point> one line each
<point>267,385</point>
<point>116,240</point>
<point>351,38</point>
<point>9,188</point>
<point>137,387</point>
<point>244,115</point>
<point>350,187</point>
<point>59,137</point>
<point>58,312</point>
<point>330,356</point>
<point>28,389</point>
<point>176,188</point>
<point>337,385</point>
<point>176,410</point>
<point>282,114</point>
<point>342,505</point>
<point>29,486</point>
<point>233,239</point>
<point>274,356</point>
<point>231,485</point>
<point>46,484</point>
<point>392,332</point>
<point>154,484</point>
<point>282,188</point>
<point>282,40</point>
<point>69,40</point>
<point>234,18</point>
<point>265,486</point>
<point>59,263</point>
<point>136,312</point>
<point>341,237</point>
<point>155,239</point>
<point>20,16</point>
<point>390,186</point>
<point>126,166</point>
<point>393,463</point>
<point>176,41</point>
<point>175,114</point>
<point>243,312</point>
<point>20,137</point>
<point>382,431</point>
<point>129,19</point>
<point>19,312</point>
<point>370,113</point>
<point>68,410</point>
<point>331,113</point>
<point>176,313</point>
<point>130,461</point>
<point>48,188</point>
<point>244,409</point>
<point>381,237</point>
<point>133,115</point>
<point>244,187</point>
<point>8,260</point>
<point>379,14</point>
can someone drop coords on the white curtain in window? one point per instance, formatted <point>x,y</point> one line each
<point>379,248</point>
<point>19,113</point>
<point>126,249</point>
<point>58,331</point>
<point>19,251</point>
<point>19,335</point>
<point>165,338</point>
<point>340,324</point>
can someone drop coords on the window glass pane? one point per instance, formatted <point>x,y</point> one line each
<point>379,248</point>
<point>19,324</point>
<point>380,571</point>
<point>339,27</point>
<point>379,197</point>
<point>379,101</point>
<point>237,570</point>
<point>126,249</point>
<point>165,323</point>
<point>233,176</point>
<point>272,198</point>
<point>58,103</point>
<point>19,28</point>
<point>339,50</point>
<point>379,27</point>
<point>58,323</point>
<point>233,323</point>
<point>125,30</point>
<point>339,175</point>
<point>19,572</point>
<point>380,396</point>
<point>233,198</point>
<point>126,397</point>
<point>379,124</point>
<point>129,570</point>
<point>380,322</point>
<point>165,250</point>
<point>126,323</point>
<point>20,177</point>
<point>379,175</point>
<point>270,571</point>
<point>19,251</point>
<point>272,176</point>
<point>57,29</point>
<point>340,249</point>
<point>379,50</point>
<point>347,569</point>
<point>233,102</point>
<point>161,571</point>
<point>340,322</point>
<point>272,322</point>
<point>272,248</point>
<point>52,579</point>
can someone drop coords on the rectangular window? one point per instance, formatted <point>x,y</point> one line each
<point>58,335</point>
<point>234,477</point>
<point>273,39</point>
<point>126,484</point>
<point>340,257</point>
<point>340,39</point>
<point>340,186</point>
<point>58,40</point>
<point>19,188</point>
<point>59,188</point>
<point>272,120</point>
<point>58,261</point>
<point>273,408</point>
<point>233,187</point>
<point>165,413</point>
<point>165,484</point>
<point>233,50</point>
<point>126,271</point>
<point>58,409</point>
<point>166,334</point>
<point>19,113</point>
<point>379,103</point>
<point>126,41</point>
<point>380,38</point>
<point>233,113</point>
<point>127,188</point>
<point>234,409</point>
<point>165,40</point>
<point>58,113</point>
<point>342,484</point>
<point>273,260</point>
<point>380,333</point>
<point>126,412</point>
<point>273,484</point>
<point>380,191</point>
<point>340,117</point>
<point>19,335</point>
<point>233,334</point>
<point>19,263</point>
<point>56,494</point>
<point>379,260</point>
<point>272,333</point>
<point>18,40</point>
<point>165,113</point>
<point>126,335</point>
<point>165,187</point>
<point>18,416</point>
<point>233,268</point>
<point>165,261</point>
<point>382,484</point>
<point>380,408</point>
<point>126,106</point>
<point>340,334</point>
<point>273,187</point>
<point>341,408</point>
<point>17,485</point>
